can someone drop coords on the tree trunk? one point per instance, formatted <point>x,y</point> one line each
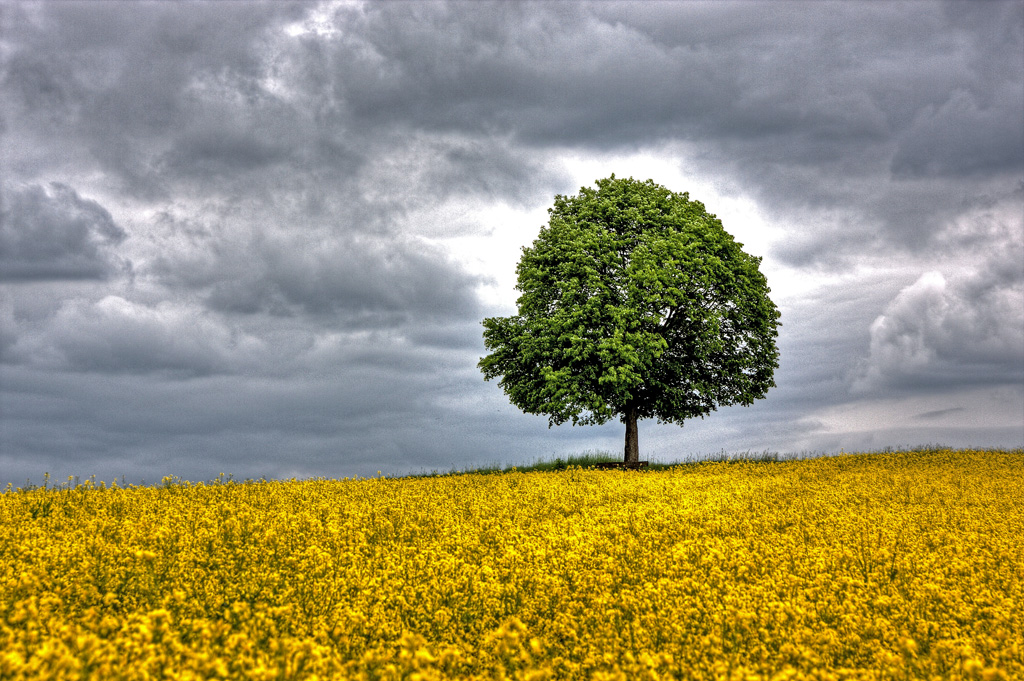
<point>632,441</point>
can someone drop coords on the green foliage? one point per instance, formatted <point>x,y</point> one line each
<point>634,297</point>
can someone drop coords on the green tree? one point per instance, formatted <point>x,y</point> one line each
<point>636,303</point>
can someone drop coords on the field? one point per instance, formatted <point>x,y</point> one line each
<point>905,565</point>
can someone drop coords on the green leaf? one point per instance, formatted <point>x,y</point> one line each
<point>634,296</point>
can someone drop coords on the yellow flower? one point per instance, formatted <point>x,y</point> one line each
<point>898,565</point>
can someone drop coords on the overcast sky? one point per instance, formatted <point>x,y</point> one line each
<point>259,239</point>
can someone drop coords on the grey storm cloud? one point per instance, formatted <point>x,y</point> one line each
<point>843,108</point>
<point>974,138</point>
<point>53,233</point>
<point>351,276</point>
<point>125,83</point>
<point>338,273</point>
<point>230,230</point>
<point>937,413</point>
<point>615,74</point>
<point>934,333</point>
<point>114,335</point>
<point>804,105</point>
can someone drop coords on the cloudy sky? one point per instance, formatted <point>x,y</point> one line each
<point>259,239</point>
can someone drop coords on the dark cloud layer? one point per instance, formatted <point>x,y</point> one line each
<point>233,235</point>
<point>53,233</point>
<point>351,277</point>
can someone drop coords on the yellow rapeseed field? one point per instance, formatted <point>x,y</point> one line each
<point>883,566</point>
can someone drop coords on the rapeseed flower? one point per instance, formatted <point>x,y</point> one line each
<point>883,566</point>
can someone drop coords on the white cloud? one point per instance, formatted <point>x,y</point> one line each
<point>937,332</point>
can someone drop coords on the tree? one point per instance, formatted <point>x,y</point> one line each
<point>636,303</point>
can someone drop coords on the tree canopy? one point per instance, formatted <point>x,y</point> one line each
<point>635,303</point>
